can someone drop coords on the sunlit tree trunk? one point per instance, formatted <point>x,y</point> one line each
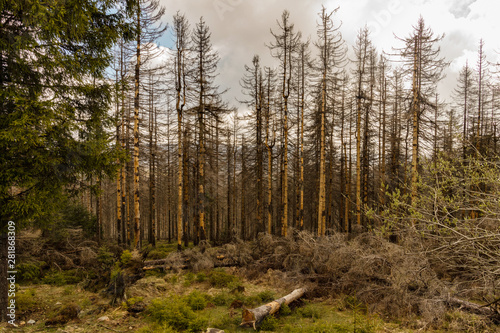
<point>137,211</point>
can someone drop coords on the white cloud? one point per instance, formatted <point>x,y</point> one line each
<point>241,28</point>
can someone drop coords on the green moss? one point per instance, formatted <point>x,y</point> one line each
<point>157,328</point>
<point>220,318</point>
<point>25,300</point>
<point>131,301</point>
<point>322,327</point>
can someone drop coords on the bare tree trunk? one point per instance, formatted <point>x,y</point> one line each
<point>229,226</point>
<point>301,142</point>
<point>137,212</point>
<point>322,185</point>
<point>244,226</point>
<point>358,162</point>
<point>185,181</point>
<point>217,215</point>
<point>382,169</point>
<point>124,146</point>
<point>129,179</point>
<point>99,211</point>
<point>118,177</point>
<point>343,165</point>
<point>415,120</point>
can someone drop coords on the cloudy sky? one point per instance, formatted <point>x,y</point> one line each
<point>241,28</point>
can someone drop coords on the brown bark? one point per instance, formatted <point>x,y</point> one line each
<point>269,147</point>
<point>128,180</point>
<point>180,26</point>
<point>118,177</point>
<point>243,218</point>
<point>229,224</point>
<point>384,102</point>
<point>137,212</point>
<point>358,160</point>
<point>124,145</point>
<point>322,185</point>
<point>301,141</point>
<point>217,209</point>
<point>415,119</point>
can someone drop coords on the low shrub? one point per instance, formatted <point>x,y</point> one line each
<point>126,257</point>
<point>131,301</point>
<point>196,300</point>
<point>285,310</point>
<point>222,299</point>
<point>310,311</point>
<point>30,271</point>
<point>172,311</point>
<point>266,296</point>
<point>201,277</point>
<point>105,257</point>
<point>61,278</point>
<point>270,323</point>
<point>221,279</point>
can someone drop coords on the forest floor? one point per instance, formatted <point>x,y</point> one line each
<point>96,314</point>
<point>191,299</point>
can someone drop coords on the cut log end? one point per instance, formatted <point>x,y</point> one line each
<point>248,318</point>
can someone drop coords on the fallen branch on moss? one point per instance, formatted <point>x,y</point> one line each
<point>255,316</point>
<point>473,308</point>
<point>164,264</point>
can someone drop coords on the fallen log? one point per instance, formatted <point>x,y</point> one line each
<point>160,262</point>
<point>255,316</point>
<point>472,307</point>
<point>163,267</point>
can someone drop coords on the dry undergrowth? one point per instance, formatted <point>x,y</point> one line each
<point>389,279</point>
<point>395,281</point>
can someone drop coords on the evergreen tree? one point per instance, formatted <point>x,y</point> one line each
<point>54,102</point>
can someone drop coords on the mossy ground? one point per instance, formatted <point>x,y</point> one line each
<point>189,301</point>
<point>201,302</point>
